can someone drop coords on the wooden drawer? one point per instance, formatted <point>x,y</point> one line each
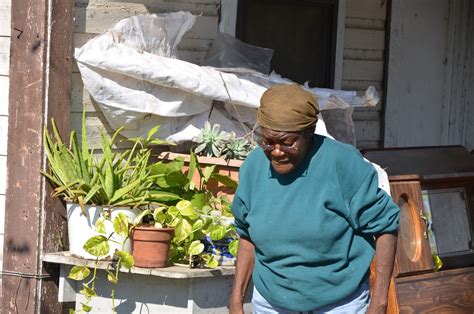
<point>449,291</point>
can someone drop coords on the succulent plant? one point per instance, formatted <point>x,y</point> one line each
<point>211,140</point>
<point>236,148</point>
<point>216,143</point>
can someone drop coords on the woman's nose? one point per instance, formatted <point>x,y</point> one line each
<point>277,151</point>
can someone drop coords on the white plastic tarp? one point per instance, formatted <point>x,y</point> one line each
<point>133,74</point>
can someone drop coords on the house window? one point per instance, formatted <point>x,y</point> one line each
<point>302,34</point>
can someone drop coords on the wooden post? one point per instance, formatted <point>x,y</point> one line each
<point>40,88</point>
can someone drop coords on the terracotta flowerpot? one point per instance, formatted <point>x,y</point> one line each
<point>150,245</point>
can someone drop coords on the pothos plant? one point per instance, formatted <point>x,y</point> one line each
<point>99,247</point>
<point>198,214</point>
<point>111,179</point>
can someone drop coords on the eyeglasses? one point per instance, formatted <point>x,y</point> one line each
<point>288,149</point>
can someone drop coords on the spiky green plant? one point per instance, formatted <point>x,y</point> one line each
<point>236,148</point>
<point>211,140</point>
<point>112,179</point>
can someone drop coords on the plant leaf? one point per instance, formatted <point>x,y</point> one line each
<point>211,261</point>
<point>87,291</point>
<point>234,247</point>
<point>100,225</point>
<point>121,225</point>
<point>208,170</point>
<point>126,258</point>
<point>97,246</point>
<point>197,225</point>
<point>79,273</point>
<point>183,230</point>
<point>195,248</point>
<point>185,208</point>
<point>111,277</point>
<point>193,165</point>
<point>86,308</point>
<point>227,181</point>
<point>140,217</point>
<point>217,232</point>
<point>123,191</point>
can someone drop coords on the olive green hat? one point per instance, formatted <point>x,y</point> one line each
<point>287,108</point>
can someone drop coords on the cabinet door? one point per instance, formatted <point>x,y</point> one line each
<point>413,249</point>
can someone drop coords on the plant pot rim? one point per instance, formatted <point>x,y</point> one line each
<point>203,159</point>
<point>102,206</point>
<point>145,226</point>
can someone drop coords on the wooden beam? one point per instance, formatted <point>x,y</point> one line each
<point>40,69</point>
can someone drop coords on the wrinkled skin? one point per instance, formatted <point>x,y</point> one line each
<point>284,162</point>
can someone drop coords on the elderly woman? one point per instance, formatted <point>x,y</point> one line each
<point>310,215</point>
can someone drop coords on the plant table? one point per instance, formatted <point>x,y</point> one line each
<point>174,289</point>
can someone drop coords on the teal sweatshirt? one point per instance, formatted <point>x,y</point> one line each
<point>314,228</point>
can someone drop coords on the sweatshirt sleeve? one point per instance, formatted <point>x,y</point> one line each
<point>240,211</point>
<point>371,210</point>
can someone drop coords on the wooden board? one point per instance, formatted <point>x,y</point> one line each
<point>450,291</point>
<point>367,39</point>
<point>362,70</point>
<point>366,9</point>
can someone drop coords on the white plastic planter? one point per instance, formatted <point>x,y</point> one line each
<point>82,227</point>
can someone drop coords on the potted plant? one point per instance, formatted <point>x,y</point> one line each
<point>220,149</point>
<point>97,188</point>
<point>194,217</point>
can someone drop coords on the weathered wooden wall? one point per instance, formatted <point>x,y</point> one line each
<point>5,8</point>
<point>95,16</point>
<point>364,48</point>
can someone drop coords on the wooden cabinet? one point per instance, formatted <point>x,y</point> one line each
<point>437,182</point>
<point>413,247</point>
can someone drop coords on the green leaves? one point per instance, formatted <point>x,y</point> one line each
<point>121,225</point>
<point>126,259</point>
<point>100,225</point>
<point>186,208</point>
<point>195,248</point>
<point>183,230</point>
<point>79,273</point>
<point>234,247</point>
<point>97,246</point>
<point>87,291</point>
<point>217,232</point>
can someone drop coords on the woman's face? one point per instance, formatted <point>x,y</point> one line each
<point>285,150</point>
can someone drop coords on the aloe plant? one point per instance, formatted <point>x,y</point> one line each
<point>114,179</point>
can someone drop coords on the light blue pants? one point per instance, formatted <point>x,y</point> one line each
<point>358,302</point>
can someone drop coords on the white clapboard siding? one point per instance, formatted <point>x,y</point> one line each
<point>4,55</point>
<point>4,85</point>
<point>5,33</point>
<point>363,65</point>
<point>358,38</point>
<point>367,9</point>
<point>364,70</point>
<point>3,135</point>
<point>5,17</point>
<point>364,23</point>
<point>98,20</point>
